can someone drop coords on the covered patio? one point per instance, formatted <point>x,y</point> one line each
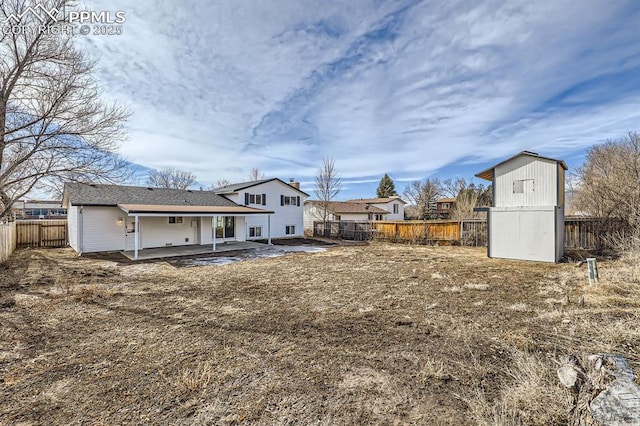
<point>164,252</point>
<point>138,211</point>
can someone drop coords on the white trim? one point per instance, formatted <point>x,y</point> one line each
<point>137,237</point>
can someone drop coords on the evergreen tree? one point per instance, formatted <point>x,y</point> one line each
<point>386,188</point>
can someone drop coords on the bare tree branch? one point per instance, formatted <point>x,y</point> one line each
<point>255,174</point>
<point>170,178</point>
<point>328,184</point>
<point>53,125</point>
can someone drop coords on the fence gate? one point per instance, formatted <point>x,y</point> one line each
<point>41,233</point>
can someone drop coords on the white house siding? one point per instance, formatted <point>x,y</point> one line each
<point>158,232</point>
<point>545,184</point>
<point>283,215</point>
<point>389,207</point>
<point>101,230</point>
<point>313,213</point>
<point>72,227</point>
<point>357,217</point>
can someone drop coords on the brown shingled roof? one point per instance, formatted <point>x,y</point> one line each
<point>348,207</point>
<point>376,200</point>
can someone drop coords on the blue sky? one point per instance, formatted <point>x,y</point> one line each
<point>415,89</point>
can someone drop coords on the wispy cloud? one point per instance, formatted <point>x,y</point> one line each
<point>404,87</point>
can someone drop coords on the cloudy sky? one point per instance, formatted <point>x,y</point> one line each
<point>415,89</point>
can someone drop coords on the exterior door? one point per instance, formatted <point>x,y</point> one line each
<point>225,227</point>
<point>130,233</point>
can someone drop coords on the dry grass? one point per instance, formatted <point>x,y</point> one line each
<point>383,334</point>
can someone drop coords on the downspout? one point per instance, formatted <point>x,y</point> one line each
<point>80,232</point>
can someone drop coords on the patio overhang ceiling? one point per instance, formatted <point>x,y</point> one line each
<point>188,210</point>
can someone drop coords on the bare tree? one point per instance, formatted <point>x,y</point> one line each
<point>610,180</point>
<point>170,178</point>
<point>53,125</point>
<point>255,174</point>
<point>219,183</point>
<point>423,196</point>
<point>328,184</point>
<point>468,196</point>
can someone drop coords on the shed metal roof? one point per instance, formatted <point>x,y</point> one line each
<point>488,173</point>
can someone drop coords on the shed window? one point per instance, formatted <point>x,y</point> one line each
<point>175,219</point>
<point>523,186</point>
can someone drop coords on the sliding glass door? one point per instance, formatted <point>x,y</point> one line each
<point>225,227</point>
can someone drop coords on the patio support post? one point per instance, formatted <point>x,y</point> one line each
<point>213,226</point>
<point>269,229</point>
<point>137,236</point>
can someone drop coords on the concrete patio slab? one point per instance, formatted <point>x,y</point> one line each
<point>176,251</point>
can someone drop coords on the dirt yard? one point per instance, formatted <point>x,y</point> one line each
<point>379,334</point>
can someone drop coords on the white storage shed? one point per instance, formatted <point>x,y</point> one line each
<point>526,220</point>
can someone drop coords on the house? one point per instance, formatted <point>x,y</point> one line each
<point>130,218</point>
<point>340,210</point>
<point>393,205</point>
<point>39,209</point>
<point>444,207</point>
<point>526,220</point>
<point>285,200</point>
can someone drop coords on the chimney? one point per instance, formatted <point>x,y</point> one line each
<point>293,183</point>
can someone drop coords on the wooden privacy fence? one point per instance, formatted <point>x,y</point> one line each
<point>417,231</point>
<point>580,232</point>
<point>41,233</point>
<point>593,232</point>
<point>7,240</point>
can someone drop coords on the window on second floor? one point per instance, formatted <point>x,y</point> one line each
<point>258,199</point>
<point>396,208</point>
<point>286,200</point>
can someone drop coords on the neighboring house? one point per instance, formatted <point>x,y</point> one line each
<point>119,218</point>
<point>340,210</point>
<point>393,205</point>
<point>444,207</point>
<point>39,209</point>
<point>285,200</point>
<point>526,220</point>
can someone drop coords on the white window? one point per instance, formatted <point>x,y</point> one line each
<point>256,199</point>
<point>175,219</point>
<point>378,216</point>
<point>395,208</point>
<point>446,206</point>
<point>255,231</point>
<point>290,229</point>
<point>286,200</point>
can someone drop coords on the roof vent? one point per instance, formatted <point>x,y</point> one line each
<point>188,190</point>
<point>150,189</point>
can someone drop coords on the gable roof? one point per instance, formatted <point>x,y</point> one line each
<point>446,200</point>
<point>81,194</point>
<point>235,187</point>
<point>377,200</point>
<point>488,174</point>
<point>348,207</point>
